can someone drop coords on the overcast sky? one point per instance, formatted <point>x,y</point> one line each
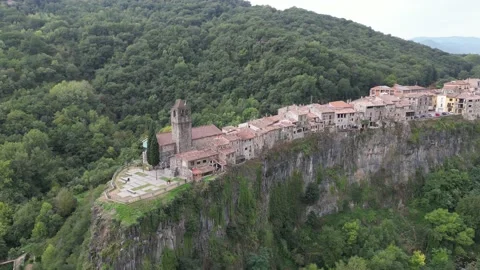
<point>401,18</point>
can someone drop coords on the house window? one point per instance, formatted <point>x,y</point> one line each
<point>246,148</point>
<point>204,161</point>
<point>198,162</point>
<point>174,113</point>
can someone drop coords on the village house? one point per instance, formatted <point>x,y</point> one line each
<point>420,102</point>
<point>474,84</point>
<point>457,86</point>
<point>451,101</point>
<point>400,90</point>
<point>195,164</point>
<point>468,105</point>
<point>326,114</point>
<point>381,90</point>
<point>373,110</point>
<point>397,109</point>
<point>345,115</point>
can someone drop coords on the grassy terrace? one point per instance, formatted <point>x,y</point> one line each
<point>128,214</point>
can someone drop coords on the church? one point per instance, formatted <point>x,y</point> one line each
<point>192,153</point>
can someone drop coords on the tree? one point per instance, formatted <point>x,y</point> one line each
<point>48,257</point>
<point>448,229</point>
<point>312,193</point>
<point>259,261</point>
<point>390,258</point>
<point>311,266</point>
<point>354,263</point>
<point>468,208</point>
<point>153,152</point>
<point>444,188</point>
<point>65,202</point>
<point>332,245</point>
<point>417,261</point>
<point>5,218</point>
<point>39,230</point>
<point>390,80</point>
<point>441,260</point>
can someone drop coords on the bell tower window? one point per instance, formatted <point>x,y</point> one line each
<point>174,113</point>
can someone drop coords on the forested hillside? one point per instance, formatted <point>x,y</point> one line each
<point>80,81</point>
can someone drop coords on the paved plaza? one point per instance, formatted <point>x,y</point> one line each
<point>135,182</point>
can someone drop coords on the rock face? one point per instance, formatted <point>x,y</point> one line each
<point>393,155</point>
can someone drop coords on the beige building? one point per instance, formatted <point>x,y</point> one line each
<point>373,110</point>
<point>397,109</point>
<point>420,102</point>
<point>474,84</point>
<point>345,115</point>
<point>468,105</point>
<point>457,86</point>
<point>195,164</point>
<point>381,90</point>
<point>400,90</point>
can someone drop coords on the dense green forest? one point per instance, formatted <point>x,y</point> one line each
<point>81,82</point>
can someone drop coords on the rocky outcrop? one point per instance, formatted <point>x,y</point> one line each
<point>392,155</point>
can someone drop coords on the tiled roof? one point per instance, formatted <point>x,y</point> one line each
<point>322,108</point>
<point>414,95</point>
<point>389,99</point>
<point>369,101</point>
<point>197,133</point>
<point>400,87</point>
<point>381,87</point>
<point>205,131</point>
<point>165,138</point>
<point>349,110</point>
<point>265,121</point>
<point>246,134</point>
<point>339,104</point>
<point>231,137</point>
<point>457,83</point>
<point>196,154</point>
<point>203,169</point>
<point>180,104</point>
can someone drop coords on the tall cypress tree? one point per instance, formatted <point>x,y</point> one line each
<point>153,155</point>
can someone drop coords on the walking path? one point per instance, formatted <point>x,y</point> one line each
<point>16,263</point>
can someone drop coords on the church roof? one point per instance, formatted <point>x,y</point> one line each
<point>197,133</point>
<point>180,104</point>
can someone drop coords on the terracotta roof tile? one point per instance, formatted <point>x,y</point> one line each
<point>205,131</point>
<point>197,133</point>
<point>196,154</point>
<point>339,104</point>
<point>246,134</point>
<point>180,104</point>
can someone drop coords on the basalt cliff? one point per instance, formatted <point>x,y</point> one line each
<point>220,221</point>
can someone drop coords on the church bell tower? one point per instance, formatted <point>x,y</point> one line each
<point>181,126</point>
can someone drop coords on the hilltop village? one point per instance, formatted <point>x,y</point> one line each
<point>193,153</point>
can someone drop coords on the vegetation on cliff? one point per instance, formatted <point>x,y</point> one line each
<point>436,229</point>
<point>81,82</point>
<point>259,225</point>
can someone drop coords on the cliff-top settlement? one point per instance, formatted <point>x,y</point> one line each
<point>193,153</point>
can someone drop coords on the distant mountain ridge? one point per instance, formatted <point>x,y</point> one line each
<point>457,45</point>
